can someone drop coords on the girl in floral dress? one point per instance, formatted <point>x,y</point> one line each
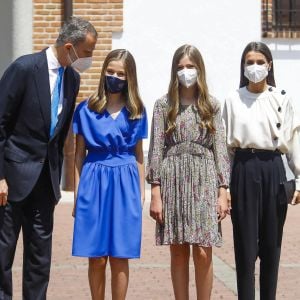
<point>188,169</point>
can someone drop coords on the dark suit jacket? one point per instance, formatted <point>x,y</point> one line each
<point>25,116</point>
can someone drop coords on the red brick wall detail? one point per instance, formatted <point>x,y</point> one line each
<point>105,15</point>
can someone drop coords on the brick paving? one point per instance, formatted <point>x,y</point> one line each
<point>150,276</point>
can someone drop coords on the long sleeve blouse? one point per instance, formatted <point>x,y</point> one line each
<point>266,120</point>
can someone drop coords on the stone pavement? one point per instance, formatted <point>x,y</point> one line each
<point>150,276</point>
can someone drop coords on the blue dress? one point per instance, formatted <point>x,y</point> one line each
<point>108,215</point>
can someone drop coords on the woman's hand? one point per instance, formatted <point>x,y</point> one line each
<point>228,201</point>
<point>222,207</point>
<point>74,205</point>
<point>156,204</point>
<point>296,198</point>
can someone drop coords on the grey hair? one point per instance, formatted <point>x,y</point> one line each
<point>74,31</point>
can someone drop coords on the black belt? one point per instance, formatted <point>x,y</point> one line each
<point>254,150</point>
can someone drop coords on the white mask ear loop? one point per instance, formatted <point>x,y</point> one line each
<point>69,56</point>
<point>77,57</point>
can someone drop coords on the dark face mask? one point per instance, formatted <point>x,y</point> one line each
<point>114,84</point>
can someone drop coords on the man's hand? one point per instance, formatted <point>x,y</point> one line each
<point>3,192</point>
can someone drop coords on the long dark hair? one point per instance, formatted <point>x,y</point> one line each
<point>263,49</point>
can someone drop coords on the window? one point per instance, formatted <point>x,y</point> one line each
<point>281,18</point>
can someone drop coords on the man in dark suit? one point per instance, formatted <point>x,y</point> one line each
<point>37,99</point>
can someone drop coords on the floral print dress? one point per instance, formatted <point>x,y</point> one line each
<point>190,165</point>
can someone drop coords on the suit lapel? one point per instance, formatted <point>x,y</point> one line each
<point>41,77</point>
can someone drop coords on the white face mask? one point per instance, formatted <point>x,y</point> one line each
<point>256,73</point>
<point>187,77</point>
<point>81,64</point>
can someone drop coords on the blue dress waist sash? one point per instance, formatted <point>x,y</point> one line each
<point>111,156</point>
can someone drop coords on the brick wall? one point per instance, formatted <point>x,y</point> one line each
<point>105,15</point>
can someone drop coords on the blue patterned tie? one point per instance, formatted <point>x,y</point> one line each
<point>55,100</point>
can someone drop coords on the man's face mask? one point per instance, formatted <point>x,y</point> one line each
<point>81,64</point>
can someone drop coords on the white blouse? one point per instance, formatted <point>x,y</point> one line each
<point>266,121</point>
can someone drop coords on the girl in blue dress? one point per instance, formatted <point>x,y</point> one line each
<point>109,129</point>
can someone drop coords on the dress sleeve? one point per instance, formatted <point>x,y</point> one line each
<point>293,155</point>
<point>157,143</point>
<point>77,127</point>
<point>227,128</point>
<point>143,126</point>
<point>220,149</point>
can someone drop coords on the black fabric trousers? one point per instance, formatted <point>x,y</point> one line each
<point>35,216</point>
<point>258,215</point>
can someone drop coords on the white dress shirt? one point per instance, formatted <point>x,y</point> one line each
<point>266,121</point>
<point>53,66</point>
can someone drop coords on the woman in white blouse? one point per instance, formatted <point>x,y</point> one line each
<point>261,124</point>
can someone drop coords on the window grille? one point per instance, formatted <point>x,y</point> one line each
<point>281,18</point>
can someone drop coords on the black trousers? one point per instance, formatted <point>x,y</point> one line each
<point>258,216</point>
<point>35,216</point>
